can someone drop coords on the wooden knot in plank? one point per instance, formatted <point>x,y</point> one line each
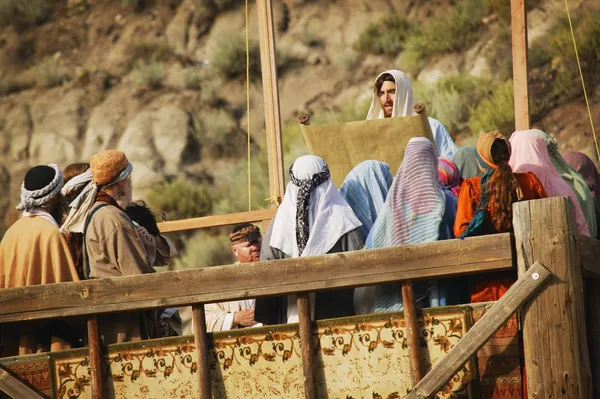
<point>84,293</point>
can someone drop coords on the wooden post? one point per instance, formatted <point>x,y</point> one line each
<point>268,64</point>
<point>307,346</point>
<point>518,10</point>
<point>95,358</point>
<point>554,335</point>
<point>200,338</point>
<point>412,327</point>
<point>16,388</point>
<point>593,301</point>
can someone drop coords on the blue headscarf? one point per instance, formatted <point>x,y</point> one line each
<point>365,189</point>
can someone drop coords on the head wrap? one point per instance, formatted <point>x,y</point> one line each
<point>412,214</point>
<point>77,182</point>
<point>313,215</point>
<point>530,154</point>
<point>484,159</point>
<point>404,100</point>
<point>80,206</point>
<point>41,184</point>
<point>365,189</point>
<point>466,160</point>
<point>586,167</point>
<point>244,232</point>
<point>449,176</point>
<point>109,167</point>
<point>574,180</point>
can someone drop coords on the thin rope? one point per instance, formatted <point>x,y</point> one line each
<point>587,101</point>
<point>248,110</point>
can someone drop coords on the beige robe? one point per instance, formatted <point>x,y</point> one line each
<point>32,252</point>
<point>219,316</point>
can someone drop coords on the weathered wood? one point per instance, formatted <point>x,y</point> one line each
<point>412,327</point>
<point>593,317</point>
<point>95,358</point>
<point>266,31</point>
<point>216,221</point>
<point>554,334</point>
<point>15,388</point>
<point>201,340</point>
<point>519,57</point>
<point>478,335</point>
<point>307,346</point>
<point>590,256</point>
<point>226,283</point>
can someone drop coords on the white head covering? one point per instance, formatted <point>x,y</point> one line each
<point>404,100</point>
<point>31,199</point>
<point>329,215</point>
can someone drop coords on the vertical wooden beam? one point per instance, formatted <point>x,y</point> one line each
<point>554,335</point>
<point>307,345</point>
<point>95,358</point>
<point>412,327</point>
<point>518,10</point>
<point>593,301</point>
<point>201,340</point>
<point>268,64</point>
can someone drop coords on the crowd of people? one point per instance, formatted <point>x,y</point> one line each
<point>82,224</point>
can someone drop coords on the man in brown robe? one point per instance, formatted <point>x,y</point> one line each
<point>34,252</point>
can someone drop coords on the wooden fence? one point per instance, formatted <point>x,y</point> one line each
<point>545,249</point>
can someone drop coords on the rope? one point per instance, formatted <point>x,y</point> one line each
<point>587,101</point>
<point>248,110</point>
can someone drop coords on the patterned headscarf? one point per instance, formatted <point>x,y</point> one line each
<point>305,187</point>
<point>530,154</point>
<point>449,176</point>
<point>31,199</point>
<point>485,161</point>
<point>365,189</point>
<point>313,215</point>
<point>466,160</point>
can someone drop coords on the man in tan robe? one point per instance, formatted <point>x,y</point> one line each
<point>34,252</point>
<point>245,243</point>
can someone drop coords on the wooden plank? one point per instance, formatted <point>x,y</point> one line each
<point>95,358</point>
<point>307,346</point>
<point>554,333</point>
<point>281,277</point>
<point>590,254</point>
<point>201,340</point>
<point>593,317</point>
<point>216,221</point>
<point>519,57</point>
<point>478,335</point>
<point>15,388</point>
<point>412,326</point>
<point>266,31</point>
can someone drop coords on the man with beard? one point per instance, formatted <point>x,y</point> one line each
<point>34,252</point>
<point>393,96</point>
<point>246,243</point>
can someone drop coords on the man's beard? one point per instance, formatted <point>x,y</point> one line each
<point>385,114</point>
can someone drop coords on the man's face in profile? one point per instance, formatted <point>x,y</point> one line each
<point>387,93</point>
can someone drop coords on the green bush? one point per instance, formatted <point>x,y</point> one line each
<point>154,50</point>
<point>215,126</point>
<point>180,199</point>
<point>150,74</point>
<point>24,11</point>
<point>386,36</point>
<point>502,7</point>
<point>498,53</point>
<point>204,249</point>
<point>495,112</point>
<point>229,56</point>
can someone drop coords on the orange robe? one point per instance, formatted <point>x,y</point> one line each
<point>468,201</point>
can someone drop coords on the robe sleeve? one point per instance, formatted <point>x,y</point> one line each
<point>62,266</point>
<point>217,317</point>
<point>468,200</point>
<point>165,250</point>
<point>124,248</point>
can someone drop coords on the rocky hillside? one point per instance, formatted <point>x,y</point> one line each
<point>164,81</point>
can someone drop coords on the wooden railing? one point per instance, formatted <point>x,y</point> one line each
<point>544,234</point>
<point>261,216</point>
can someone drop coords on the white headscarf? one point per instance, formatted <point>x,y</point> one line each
<point>329,215</point>
<point>404,100</point>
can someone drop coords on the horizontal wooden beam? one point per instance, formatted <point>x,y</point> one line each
<point>478,335</point>
<point>231,282</point>
<point>590,256</point>
<point>217,220</point>
<point>15,388</point>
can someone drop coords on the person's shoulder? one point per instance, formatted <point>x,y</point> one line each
<point>110,215</point>
<point>526,177</point>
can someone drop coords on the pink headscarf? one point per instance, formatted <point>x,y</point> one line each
<point>449,176</point>
<point>530,154</point>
